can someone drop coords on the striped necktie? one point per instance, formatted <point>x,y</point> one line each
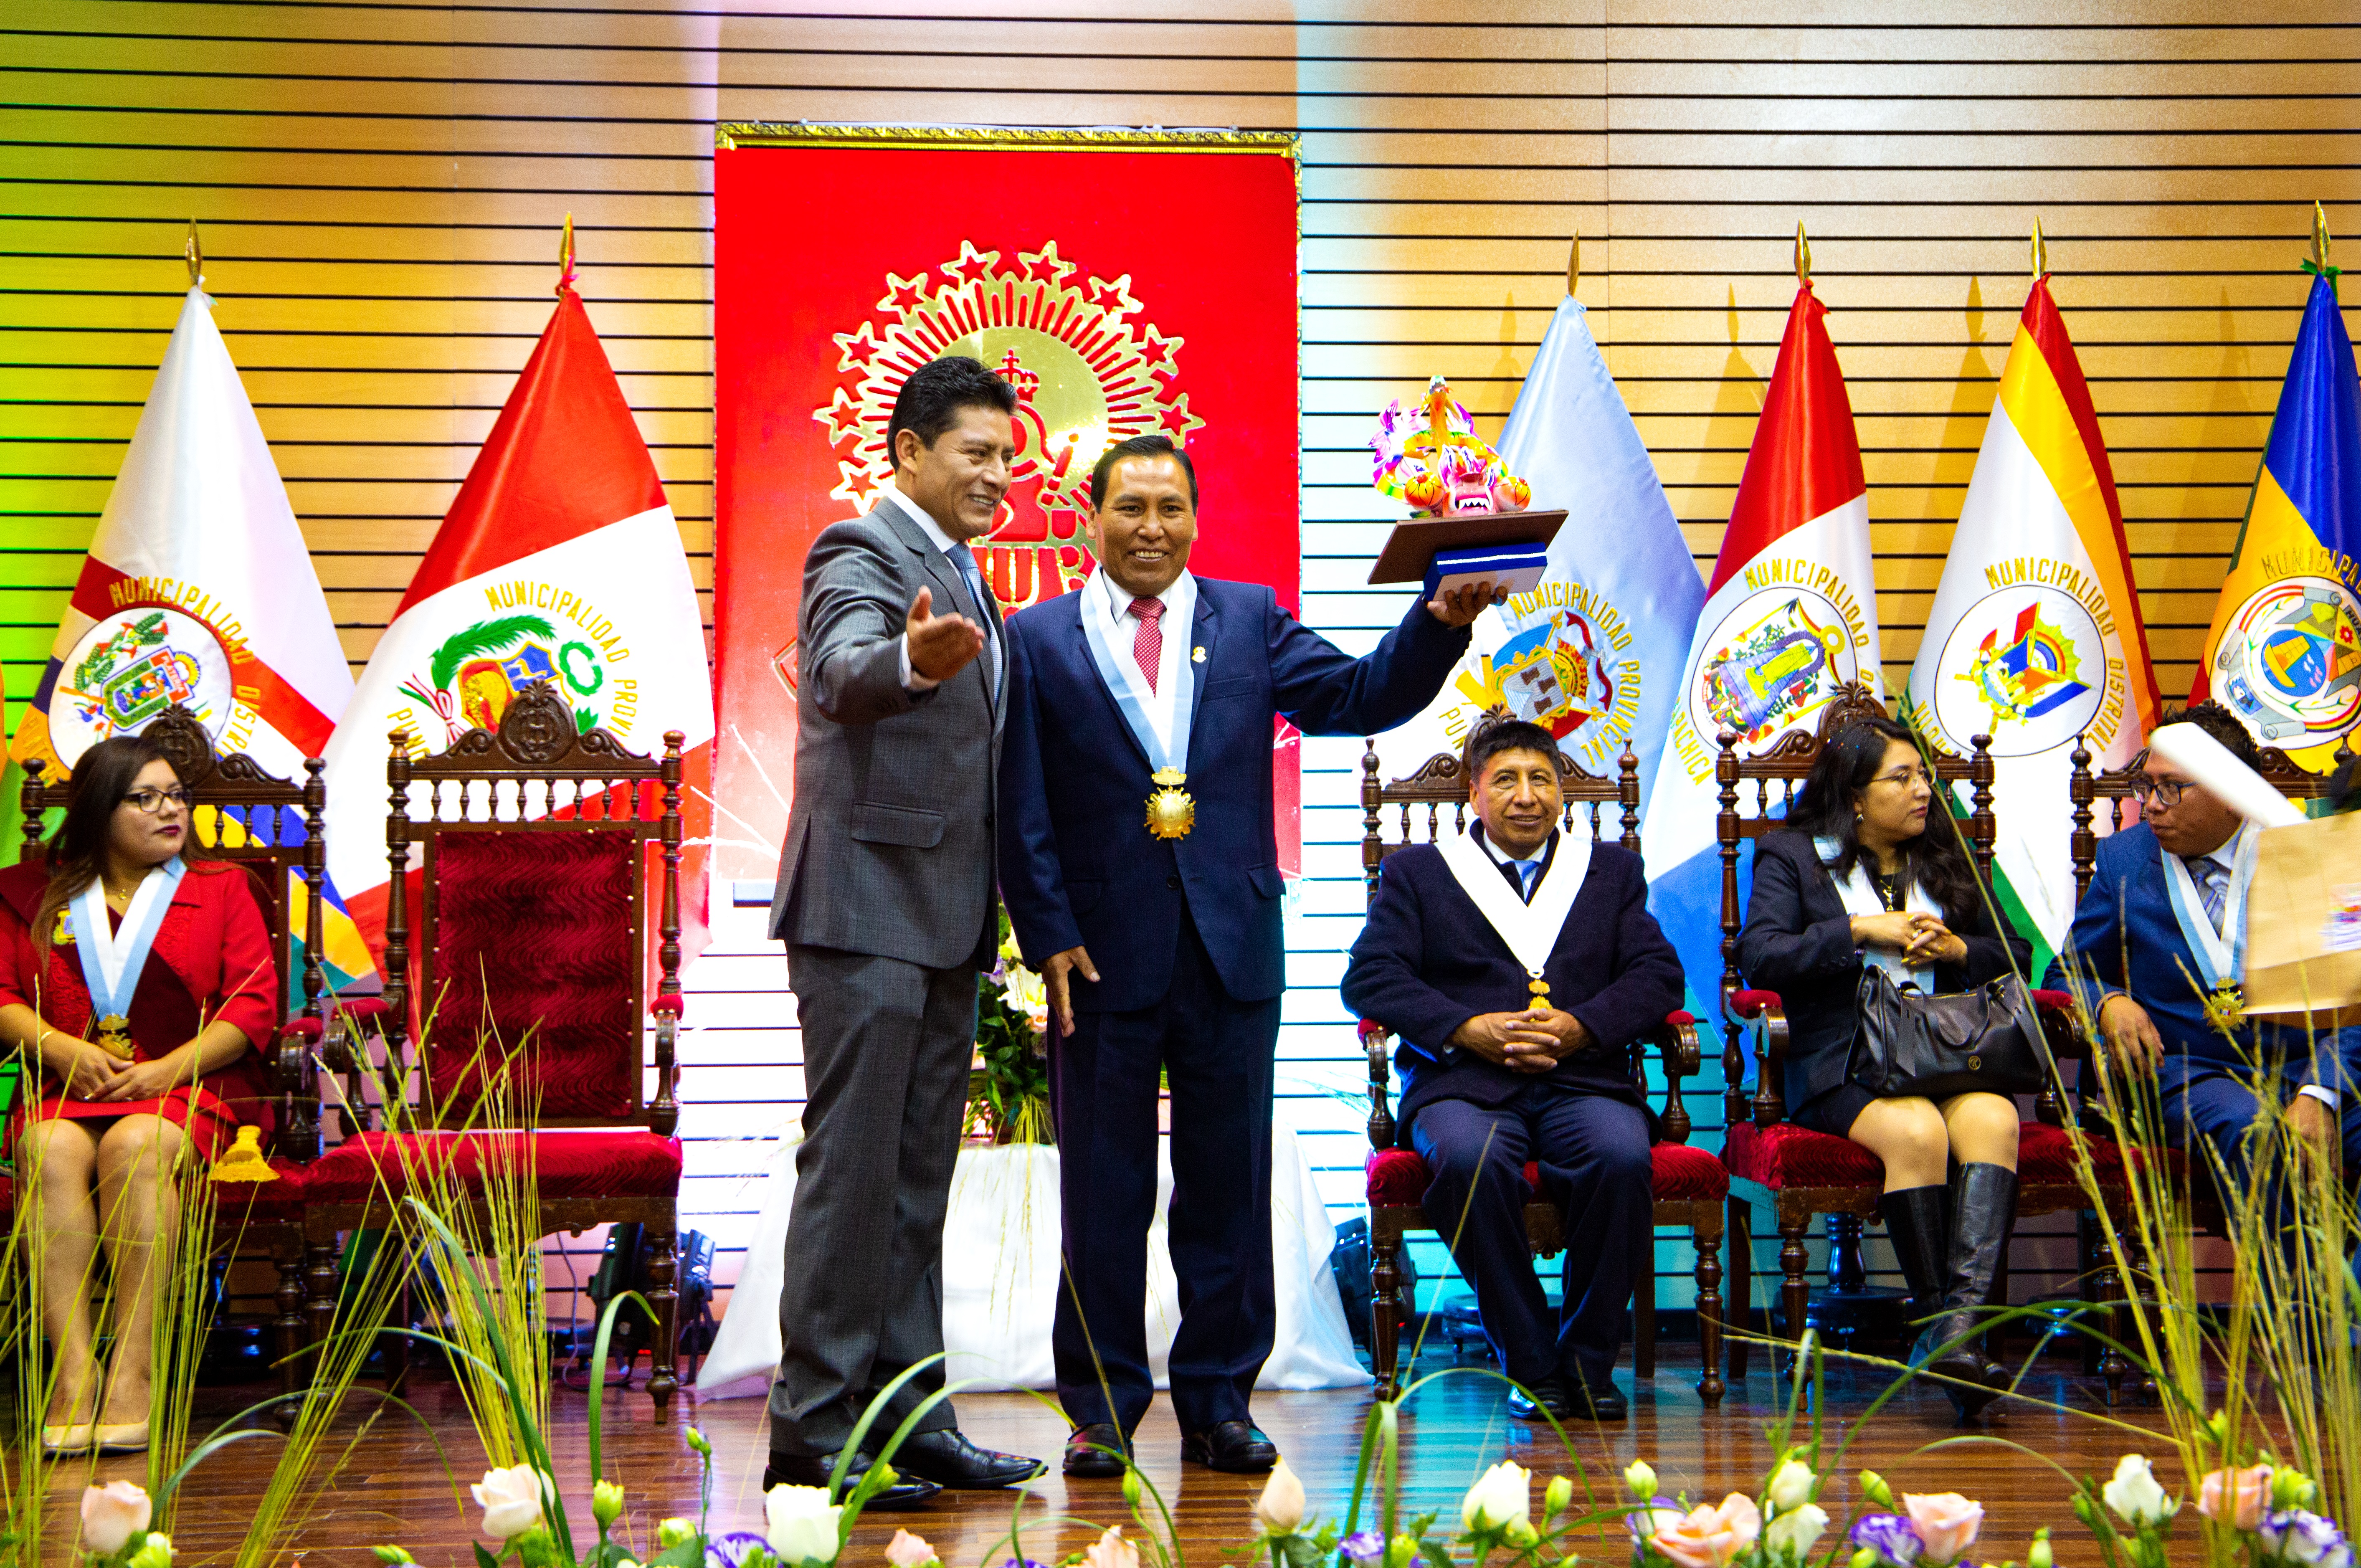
<point>2213,879</point>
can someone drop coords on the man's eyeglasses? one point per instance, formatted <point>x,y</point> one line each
<point>2166,792</point>
<point>151,801</point>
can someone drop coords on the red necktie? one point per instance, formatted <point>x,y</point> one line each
<point>1148,643</point>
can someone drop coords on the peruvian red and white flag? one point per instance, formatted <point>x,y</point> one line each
<point>198,590</point>
<point>559,561</point>
<point>1790,618</point>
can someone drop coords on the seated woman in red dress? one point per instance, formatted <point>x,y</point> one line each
<point>143,985</point>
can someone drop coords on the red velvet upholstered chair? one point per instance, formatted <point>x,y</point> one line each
<point>272,827</point>
<point>530,938</point>
<point>1688,1185</point>
<point>1805,1174</point>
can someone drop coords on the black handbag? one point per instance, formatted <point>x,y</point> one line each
<point>1910,1043</point>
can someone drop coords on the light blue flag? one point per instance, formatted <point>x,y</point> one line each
<point>1596,651</point>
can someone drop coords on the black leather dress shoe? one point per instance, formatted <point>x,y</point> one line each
<point>795,1470</point>
<point>1547,1400</point>
<point>1088,1455</point>
<point>1607,1404</point>
<point>1237,1448</point>
<point>947,1459</point>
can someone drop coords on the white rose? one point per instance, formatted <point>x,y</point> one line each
<point>512,1500</point>
<point>801,1524</point>
<point>1280,1510</point>
<point>1792,1532</point>
<point>2136,1495</point>
<point>1501,1497</point>
<point>1791,1485</point>
<point>112,1515</point>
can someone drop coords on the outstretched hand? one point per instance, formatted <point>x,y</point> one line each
<point>941,645</point>
<point>1465,603</point>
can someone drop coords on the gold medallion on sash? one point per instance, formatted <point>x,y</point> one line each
<point>1170,811</point>
<point>1539,987</point>
<point>2225,1007</point>
<point>112,1035</point>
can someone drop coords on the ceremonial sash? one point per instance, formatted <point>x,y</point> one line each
<point>112,960</point>
<point>1860,897</point>
<point>1160,757</point>
<point>2221,960</point>
<point>1531,930</point>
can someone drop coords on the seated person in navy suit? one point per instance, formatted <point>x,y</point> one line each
<point>2156,955</point>
<point>1515,965</point>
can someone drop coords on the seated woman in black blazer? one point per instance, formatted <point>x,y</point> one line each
<point>1860,877</point>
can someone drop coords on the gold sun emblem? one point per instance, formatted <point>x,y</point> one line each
<point>1087,373</point>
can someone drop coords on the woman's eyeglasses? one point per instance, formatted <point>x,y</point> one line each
<point>1905,777</point>
<point>152,801</point>
<point>2166,792</point>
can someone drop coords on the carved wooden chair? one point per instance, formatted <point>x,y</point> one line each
<point>1689,1185</point>
<point>273,827</point>
<point>1805,1174</point>
<point>530,945</point>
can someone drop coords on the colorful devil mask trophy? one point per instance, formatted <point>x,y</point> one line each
<point>1469,524</point>
<point>1432,457</point>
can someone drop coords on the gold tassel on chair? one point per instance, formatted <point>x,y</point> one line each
<point>243,1161</point>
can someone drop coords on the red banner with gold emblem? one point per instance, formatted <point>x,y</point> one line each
<point>1126,283</point>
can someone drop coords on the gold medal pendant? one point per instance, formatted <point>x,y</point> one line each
<point>2225,1008</point>
<point>113,1035</point>
<point>1170,811</point>
<point>1539,987</point>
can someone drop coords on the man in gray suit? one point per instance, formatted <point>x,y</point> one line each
<point>885,902</point>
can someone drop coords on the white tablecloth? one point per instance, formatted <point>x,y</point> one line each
<point>1000,1277</point>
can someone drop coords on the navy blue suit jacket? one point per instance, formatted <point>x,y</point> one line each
<point>1078,866</point>
<point>1427,961</point>
<point>2125,939</point>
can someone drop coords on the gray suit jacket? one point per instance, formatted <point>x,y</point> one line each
<point>889,847</point>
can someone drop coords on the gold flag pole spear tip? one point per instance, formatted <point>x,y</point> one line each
<point>2040,253</point>
<point>565,255</point>
<point>195,253</point>
<point>1573,263</point>
<point>2319,236</point>
<point>1802,255</point>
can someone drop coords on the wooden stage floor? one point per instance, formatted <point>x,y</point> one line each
<point>395,1490</point>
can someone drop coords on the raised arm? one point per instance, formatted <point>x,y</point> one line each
<point>1322,690</point>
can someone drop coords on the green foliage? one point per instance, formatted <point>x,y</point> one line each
<point>484,637</point>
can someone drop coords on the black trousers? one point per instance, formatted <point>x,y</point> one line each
<point>1593,1155</point>
<point>1216,1052</point>
<point>886,1048</point>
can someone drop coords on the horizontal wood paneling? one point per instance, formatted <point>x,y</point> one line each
<point>380,187</point>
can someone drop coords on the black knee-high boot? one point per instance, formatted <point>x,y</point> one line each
<point>1983,1207</point>
<point>1918,1224</point>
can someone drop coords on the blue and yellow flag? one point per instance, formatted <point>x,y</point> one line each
<point>2285,650</point>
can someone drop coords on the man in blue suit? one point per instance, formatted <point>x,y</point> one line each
<point>1141,874</point>
<point>1516,965</point>
<point>2155,953</point>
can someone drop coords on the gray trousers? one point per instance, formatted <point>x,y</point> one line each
<point>886,1050</point>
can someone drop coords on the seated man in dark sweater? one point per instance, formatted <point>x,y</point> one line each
<point>1515,964</point>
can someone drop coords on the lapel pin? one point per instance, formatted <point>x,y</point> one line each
<point>1197,656</point>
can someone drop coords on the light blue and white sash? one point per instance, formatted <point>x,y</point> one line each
<point>2220,954</point>
<point>1859,894</point>
<point>1135,712</point>
<point>112,960</point>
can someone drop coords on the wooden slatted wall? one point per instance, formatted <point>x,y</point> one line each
<point>381,184</point>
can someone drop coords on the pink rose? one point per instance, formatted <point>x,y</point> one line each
<point>2235,1498</point>
<point>1711,1538</point>
<point>1947,1524</point>
<point>907,1551</point>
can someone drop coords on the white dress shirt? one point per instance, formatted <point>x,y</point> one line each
<point>1112,605</point>
<point>912,680</point>
<point>1529,871</point>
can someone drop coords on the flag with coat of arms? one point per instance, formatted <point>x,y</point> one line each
<point>198,590</point>
<point>1593,653</point>
<point>2035,637</point>
<point>559,561</point>
<point>2284,652</point>
<point>1790,618</point>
